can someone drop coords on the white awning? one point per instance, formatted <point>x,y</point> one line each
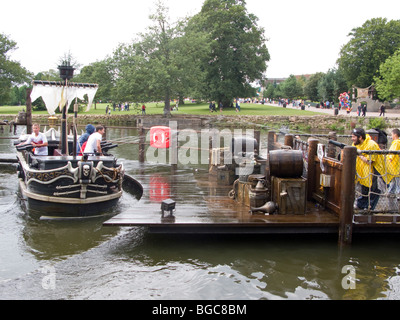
<point>55,94</point>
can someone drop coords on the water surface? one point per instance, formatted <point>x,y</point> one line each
<point>84,260</point>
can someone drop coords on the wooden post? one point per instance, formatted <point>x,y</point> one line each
<point>331,147</point>
<point>312,152</point>
<point>64,133</point>
<point>289,140</point>
<point>28,111</point>
<point>257,136</point>
<point>142,139</point>
<point>74,129</point>
<point>173,147</point>
<point>349,157</point>
<point>271,140</point>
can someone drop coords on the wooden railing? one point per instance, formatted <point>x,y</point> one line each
<point>330,182</point>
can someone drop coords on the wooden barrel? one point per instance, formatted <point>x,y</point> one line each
<point>286,163</point>
<point>258,197</point>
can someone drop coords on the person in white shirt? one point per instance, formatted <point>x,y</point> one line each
<point>93,144</point>
<point>38,140</point>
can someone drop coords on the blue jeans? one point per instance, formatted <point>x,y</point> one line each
<point>370,196</point>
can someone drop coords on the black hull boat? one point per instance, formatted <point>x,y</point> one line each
<point>63,184</point>
<point>60,186</point>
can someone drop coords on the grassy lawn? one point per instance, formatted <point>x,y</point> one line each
<point>189,108</point>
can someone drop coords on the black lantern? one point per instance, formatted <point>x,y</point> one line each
<point>66,72</point>
<point>168,205</point>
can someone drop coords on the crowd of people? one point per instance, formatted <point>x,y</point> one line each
<point>121,106</point>
<point>126,107</point>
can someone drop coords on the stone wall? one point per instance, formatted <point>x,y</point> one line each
<point>323,122</point>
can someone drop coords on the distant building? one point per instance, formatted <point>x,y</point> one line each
<point>275,80</point>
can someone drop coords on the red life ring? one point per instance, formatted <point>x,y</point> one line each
<point>159,137</point>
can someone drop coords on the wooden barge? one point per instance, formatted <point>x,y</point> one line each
<point>319,201</point>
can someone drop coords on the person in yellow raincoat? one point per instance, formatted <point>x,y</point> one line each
<point>393,165</point>
<point>368,167</point>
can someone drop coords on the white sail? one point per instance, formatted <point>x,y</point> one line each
<point>55,95</point>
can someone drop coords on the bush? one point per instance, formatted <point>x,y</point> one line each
<point>379,123</point>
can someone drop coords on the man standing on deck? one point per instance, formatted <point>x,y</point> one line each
<point>94,142</point>
<point>90,129</point>
<point>368,167</point>
<point>38,140</point>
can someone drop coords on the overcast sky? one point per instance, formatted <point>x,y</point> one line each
<point>304,37</point>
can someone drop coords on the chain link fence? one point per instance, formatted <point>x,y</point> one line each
<point>377,184</point>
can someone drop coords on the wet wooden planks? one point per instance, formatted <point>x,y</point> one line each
<point>219,215</point>
<point>204,207</point>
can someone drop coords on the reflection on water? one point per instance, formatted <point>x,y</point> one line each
<point>57,240</point>
<point>94,262</point>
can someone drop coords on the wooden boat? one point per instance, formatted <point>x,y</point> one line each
<point>65,180</point>
<point>64,183</point>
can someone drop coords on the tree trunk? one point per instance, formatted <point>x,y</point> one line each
<point>167,106</point>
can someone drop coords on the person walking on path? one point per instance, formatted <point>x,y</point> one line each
<point>359,110</point>
<point>237,105</point>
<point>364,110</point>
<point>382,109</point>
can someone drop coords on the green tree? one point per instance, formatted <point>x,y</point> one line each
<point>387,83</point>
<point>291,88</point>
<point>128,70</point>
<point>237,52</point>
<point>149,69</point>
<point>99,72</point>
<point>369,46</point>
<point>269,91</point>
<point>331,85</point>
<point>11,72</point>
<point>18,96</point>
<point>191,50</point>
<point>51,75</point>
<point>311,86</point>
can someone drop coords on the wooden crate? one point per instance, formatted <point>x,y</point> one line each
<point>226,177</point>
<point>290,195</point>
